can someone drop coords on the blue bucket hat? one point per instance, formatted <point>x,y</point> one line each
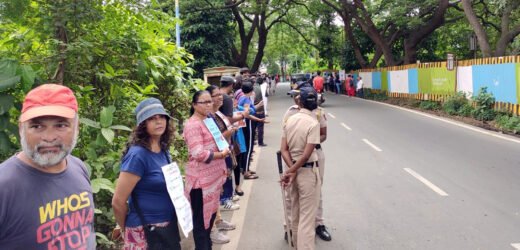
<point>148,108</point>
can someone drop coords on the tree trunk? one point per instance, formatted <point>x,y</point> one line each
<point>349,37</point>
<point>482,38</point>
<point>365,22</point>
<point>262,41</point>
<point>240,56</point>
<point>344,11</point>
<point>507,35</point>
<point>61,36</point>
<point>376,58</point>
<point>420,33</point>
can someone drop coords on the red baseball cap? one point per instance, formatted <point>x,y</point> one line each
<point>49,100</point>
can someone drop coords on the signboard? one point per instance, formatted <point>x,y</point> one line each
<point>342,75</point>
<point>217,135</point>
<point>175,187</point>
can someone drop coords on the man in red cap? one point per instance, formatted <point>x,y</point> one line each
<point>45,194</point>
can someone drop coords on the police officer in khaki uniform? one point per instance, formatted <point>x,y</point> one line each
<point>321,229</point>
<point>300,136</point>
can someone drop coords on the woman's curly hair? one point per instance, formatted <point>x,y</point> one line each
<point>141,138</point>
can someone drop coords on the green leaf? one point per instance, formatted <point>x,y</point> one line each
<point>6,102</point>
<point>100,141</point>
<point>106,116</point>
<point>4,121</point>
<point>141,68</point>
<point>5,143</point>
<point>108,134</point>
<point>110,70</point>
<point>156,75</point>
<point>121,127</point>
<point>89,122</point>
<point>103,237</point>
<point>8,68</point>
<point>28,76</point>
<point>13,128</point>
<point>102,184</point>
<point>89,169</point>
<point>98,211</point>
<point>149,89</point>
<point>9,82</point>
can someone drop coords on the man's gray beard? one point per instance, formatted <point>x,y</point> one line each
<point>48,159</point>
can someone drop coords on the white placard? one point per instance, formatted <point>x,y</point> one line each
<point>175,187</point>
<point>342,75</point>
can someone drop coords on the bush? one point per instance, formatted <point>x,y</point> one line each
<point>429,105</point>
<point>484,105</point>
<point>508,123</point>
<point>375,95</point>
<point>455,103</point>
<point>411,102</point>
<point>465,110</point>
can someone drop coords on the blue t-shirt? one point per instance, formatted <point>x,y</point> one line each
<point>246,100</point>
<point>150,191</point>
<point>40,210</point>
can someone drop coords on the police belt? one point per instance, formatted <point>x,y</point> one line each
<point>309,164</point>
<point>318,146</point>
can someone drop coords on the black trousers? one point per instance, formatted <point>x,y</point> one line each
<point>241,160</point>
<point>249,135</point>
<point>200,234</point>
<point>260,129</point>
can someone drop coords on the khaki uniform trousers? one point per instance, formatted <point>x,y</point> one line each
<point>305,191</point>
<point>321,164</point>
<point>319,214</point>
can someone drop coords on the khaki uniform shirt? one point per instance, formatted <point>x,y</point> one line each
<point>319,114</point>
<point>302,129</point>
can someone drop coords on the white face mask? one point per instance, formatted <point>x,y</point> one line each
<point>47,159</point>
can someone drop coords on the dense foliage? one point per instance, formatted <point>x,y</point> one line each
<point>113,54</point>
<point>484,102</point>
<point>455,104</point>
<point>208,35</point>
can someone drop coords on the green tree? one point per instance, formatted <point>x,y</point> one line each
<point>494,22</point>
<point>208,35</point>
<point>113,55</point>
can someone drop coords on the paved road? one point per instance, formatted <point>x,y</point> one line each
<point>394,180</point>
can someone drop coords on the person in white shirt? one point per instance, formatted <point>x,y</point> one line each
<point>264,87</point>
<point>359,87</point>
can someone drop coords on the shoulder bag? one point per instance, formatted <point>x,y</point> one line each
<point>159,238</point>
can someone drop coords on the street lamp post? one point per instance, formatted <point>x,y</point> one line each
<point>473,44</point>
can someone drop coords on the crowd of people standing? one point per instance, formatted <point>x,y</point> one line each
<point>141,202</point>
<point>142,205</point>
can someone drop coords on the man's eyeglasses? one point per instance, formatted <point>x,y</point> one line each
<point>217,95</point>
<point>205,103</point>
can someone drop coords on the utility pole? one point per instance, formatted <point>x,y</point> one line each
<point>177,25</point>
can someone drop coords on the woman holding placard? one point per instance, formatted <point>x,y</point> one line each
<point>141,182</point>
<point>205,171</point>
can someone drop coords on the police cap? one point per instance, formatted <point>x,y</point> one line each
<point>308,94</point>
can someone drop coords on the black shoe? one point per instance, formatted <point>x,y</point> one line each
<point>263,145</point>
<point>286,238</point>
<point>322,232</point>
<point>239,193</point>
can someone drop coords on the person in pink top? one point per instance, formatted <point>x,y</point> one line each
<point>206,170</point>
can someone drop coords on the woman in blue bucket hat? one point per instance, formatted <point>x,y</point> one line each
<point>141,182</point>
